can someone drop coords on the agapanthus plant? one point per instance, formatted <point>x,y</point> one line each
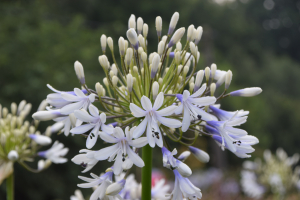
<point>276,175</point>
<point>21,142</point>
<point>153,98</point>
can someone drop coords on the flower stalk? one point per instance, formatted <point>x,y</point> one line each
<point>10,187</point>
<point>146,172</point>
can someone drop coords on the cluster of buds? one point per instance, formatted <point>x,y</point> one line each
<point>276,175</point>
<point>20,140</point>
<point>153,97</point>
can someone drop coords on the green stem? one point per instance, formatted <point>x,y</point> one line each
<point>10,187</point>
<point>146,172</point>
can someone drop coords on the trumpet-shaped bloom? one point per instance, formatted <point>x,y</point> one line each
<point>121,148</point>
<point>183,188</point>
<point>101,183</point>
<point>191,107</point>
<point>86,162</point>
<point>152,116</point>
<point>95,122</point>
<point>226,115</point>
<point>55,153</point>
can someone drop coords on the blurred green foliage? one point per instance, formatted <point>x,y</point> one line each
<point>40,41</point>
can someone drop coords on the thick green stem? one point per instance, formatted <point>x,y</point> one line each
<point>10,187</point>
<point>146,172</point>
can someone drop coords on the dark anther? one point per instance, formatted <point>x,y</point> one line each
<point>84,165</point>
<point>93,134</point>
<point>199,117</point>
<point>123,159</point>
<point>91,137</point>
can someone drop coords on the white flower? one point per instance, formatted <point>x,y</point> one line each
<point>86,162</point>
<point>191,106</point>
<point>78,195</point>
<point>226,115</point>
<point>55,153</point>
<point>95,121</point>
<point>115,188</point>
<point>13,155</point>
<point>250,185</point>
<point>122,148</point>
<point>159,190</point>
<point>184,188</point>
<point>234,139</point>
<point>151,116</point>
<point>101,183</point>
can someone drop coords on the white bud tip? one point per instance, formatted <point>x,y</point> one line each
<point>246,92</point>
<point>132,37</point>
<point>79,72</point>
<point>13,155</point>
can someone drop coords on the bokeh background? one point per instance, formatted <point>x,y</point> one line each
<point>257,39</point>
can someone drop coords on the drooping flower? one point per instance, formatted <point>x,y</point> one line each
<point>183,188</point>
<point>121,148</point>
<point>191,107</point>
<point>95,122</point>
<point>152,116</point>
<point>55,153</point>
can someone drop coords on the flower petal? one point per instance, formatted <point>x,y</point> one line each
<point>158,101</point>
<point>83,115</point>
<point>179,109</point>
<point>107,137</point>
<point>104,153</point>
<point>78,92</point>
<point>137,111</point>
<point>199,92</point>
<point>82,129</point>
<point>94,110</point>
<point>203,101</point>
<point>185,95</point>
<point>69,97</point>
<point>138,143</point>
<point>134,157</point>
<point>91,140</point>
<point>68,109</point>
<point>118,164</point>
<point>172,123</point>
<point>186,121</point>
<point>107,129</point>
<point>167,111</point>
<point>150,138</point>
<point>146,103</point>
<point>119,133</point>
<point>140,129</point>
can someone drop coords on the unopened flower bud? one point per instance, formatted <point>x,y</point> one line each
<point>199,154</point>
<point>128,56</point>
<point>161,46</point>
<point>13,108</point>
<point>104,62</point>
<point>129,82</point>
<point>133,39</point>
<point>114,69</point>
<point>190,32</point>
<point>13,155</point>
<point>155,65</point>
<point>213,68</point>
<point>228,79</point>
<point>131,22</point>
<point>177,57</point>
<point>126,44</point>
<point>121,46</point>
<point>176,37</point>
<point>212,89</point>
<point>184,155</point>
<point>42,105</point>
<point>191,86</point>
<point>158,25</point>
<point>46,115</point>
<point>193,49</point>
<point>105,81</point>
<point>160,81</point>
<point>140,50</point>
<point>178,46</point>
<point>103,43</point>
<point>246,92</point>
<point>110,43</point>
<point>144,57</point>
<point>199,79</point>
<point>115,80</point>
<point>186,70</point>
<point>115,188</point>
<point>142,41</point>
<point>207,73</point>
<point>179,69</point>
<point>145,30</point>
<point>41,139</point>
<point>140,23</point>
<point>155,89</point>
<point>173,23</point>
<point>79,72</point>
<point>43,164</point>
<point>99,89</point>
<point>199,35</point>
<point>135,70</point>
<point>183,169</point>
<point>21,106</point>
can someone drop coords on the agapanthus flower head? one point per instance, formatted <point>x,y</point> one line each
<point>155,97</point>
